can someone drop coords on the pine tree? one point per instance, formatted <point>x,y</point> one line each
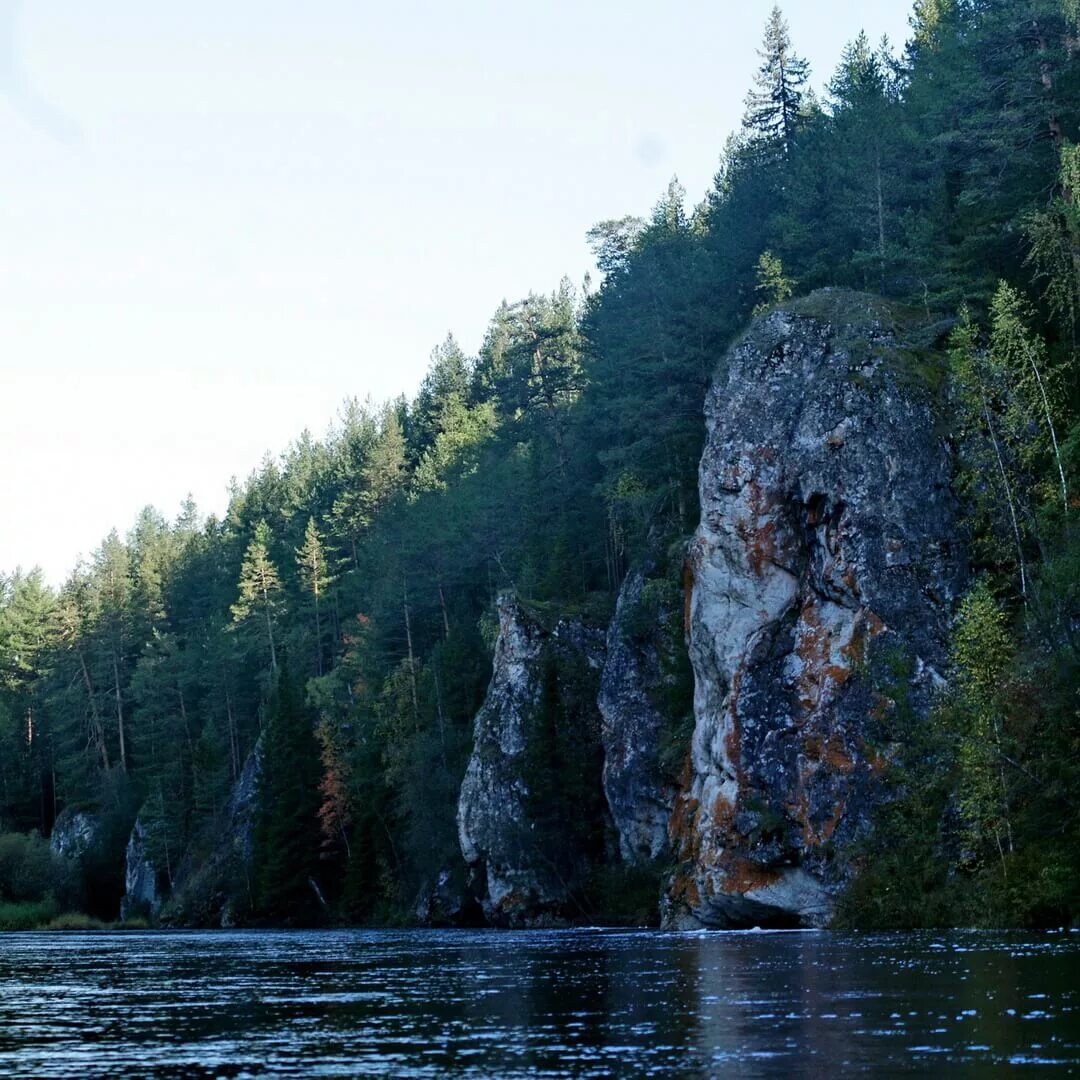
<point>287,828</point>
<point>990,476</point>
<point>260,589</point>
<point>1020,356</point>
<point>981,655</point>
<point>27,635</point>
<point>772,283</point>
<point>1054,234</point>
<point>210,771</point>
<point>111,589</point>
<point>772,110</point>
<point>865,134</point>
<point>925,20</point>
<point>311,561</point>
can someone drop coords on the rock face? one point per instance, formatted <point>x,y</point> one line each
<point>212,883</point>
<point>823,573</point>
<point>74,834</point>
<point>140,877</point>
<point>638,794</point>
<point>512,873</point>
<point>446,901</point>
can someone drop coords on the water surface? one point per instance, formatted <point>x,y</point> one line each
<point>568,1003</point>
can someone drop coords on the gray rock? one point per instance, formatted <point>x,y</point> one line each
<point>74,833</point>
<point>212,884</point>
<point>446,901</point>
<point>639,796</point>
<point>141,895</point>
<point>515,884</point>
<point>824,571</point>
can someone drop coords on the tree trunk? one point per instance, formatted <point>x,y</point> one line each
<point>412,656</point>
<point>119,712</point>
<point>1050,425</point>
<point>445,617</point>
<point>98,728</point>
<point>269,630</point>
<point>1008,499</point>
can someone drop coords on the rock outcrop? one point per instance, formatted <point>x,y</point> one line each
<point>141,895</point>
<point>823,574</point>
<point>212,885</point>
<point>447,901</point>
<point>75,833</point>
<point>516,875</point>
<point>639,795</point>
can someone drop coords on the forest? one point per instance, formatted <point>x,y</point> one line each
<point>341,614</point>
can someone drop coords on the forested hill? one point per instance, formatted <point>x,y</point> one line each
<point>343,611</point>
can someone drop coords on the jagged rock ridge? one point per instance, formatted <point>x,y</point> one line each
<point>516,877</point>
<point>823,573</point>
<point>639,795</point>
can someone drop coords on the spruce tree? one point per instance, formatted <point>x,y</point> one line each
<point>260,589</point>
<point>311,562</point>
<point>772,109</point>
<point>287,827</point>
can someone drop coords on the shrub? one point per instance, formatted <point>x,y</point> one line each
<point>27,915</point>
<point>30,870</point>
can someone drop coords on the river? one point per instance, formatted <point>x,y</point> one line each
<point>561,1003</point>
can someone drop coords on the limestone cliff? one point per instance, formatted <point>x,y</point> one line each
<point>212,885</point>
<point>823,574</point>
<point>642,655</point>
<point>523,860</point>
<point>141,896</point>
<point>75,834</point>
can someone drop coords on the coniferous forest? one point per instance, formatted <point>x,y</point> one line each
<point>341,615</point>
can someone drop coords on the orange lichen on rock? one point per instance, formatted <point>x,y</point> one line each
<point>836,755</point>
<point>867,627</point>
<point>684,890</point>
<point>512,901</point>
<point>812,648</point>
<point>740,875</point>
<point>723,815</point>
<point>759,539</point>
<point>761,546</point>
<point>683,827</point>
<point>851,582</point>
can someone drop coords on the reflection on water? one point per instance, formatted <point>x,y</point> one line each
<point>573,1003</point>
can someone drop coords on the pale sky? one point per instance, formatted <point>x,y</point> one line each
<point>220,219</point>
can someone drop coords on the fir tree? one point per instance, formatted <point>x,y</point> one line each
<point>772,109</point>
<point>287,826</point>
<point>311,561</point>
<point>259,588</point>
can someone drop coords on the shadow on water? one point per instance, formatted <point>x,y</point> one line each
<point>575,1003</point>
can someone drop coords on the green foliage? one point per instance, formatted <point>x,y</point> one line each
<point>288,799</point>
<point>27,915</point>
<point>772,285</point>
<point>1054,235</point>
<point>556,459</point>
<point>260,589</point>
<point>30,871</point>
<point>981,655</point>
<point>773,107</point>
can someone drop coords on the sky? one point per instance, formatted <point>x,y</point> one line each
<point>220,220</point>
